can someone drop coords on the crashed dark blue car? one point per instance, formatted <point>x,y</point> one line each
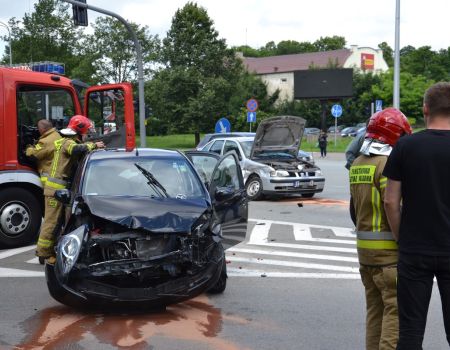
<point>147,228</point>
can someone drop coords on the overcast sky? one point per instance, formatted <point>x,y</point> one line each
<point>256,22</point>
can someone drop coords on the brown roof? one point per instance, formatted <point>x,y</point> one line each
<point>301,61</point>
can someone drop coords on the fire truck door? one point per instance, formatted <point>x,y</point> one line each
<point>110,107</point>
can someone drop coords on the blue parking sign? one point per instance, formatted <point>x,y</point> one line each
<point>378,105</point>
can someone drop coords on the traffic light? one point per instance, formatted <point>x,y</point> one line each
<point>80,17</point>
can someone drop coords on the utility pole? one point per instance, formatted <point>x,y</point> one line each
<point>10,44</point>
<point>397,57</point>
<point>138,48</point>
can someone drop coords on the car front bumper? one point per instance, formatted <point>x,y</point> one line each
<point>294,185</point>
<point>90,292</point>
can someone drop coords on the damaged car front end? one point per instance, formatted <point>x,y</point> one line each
<point>144,231</point>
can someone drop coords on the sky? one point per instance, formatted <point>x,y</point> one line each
<point>256,22</point>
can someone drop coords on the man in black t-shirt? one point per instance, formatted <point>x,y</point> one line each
<point>417,204</point>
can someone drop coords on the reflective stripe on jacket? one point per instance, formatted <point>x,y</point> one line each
<point>66,155</point>
<point>43,151</point>
<point>375,242</point>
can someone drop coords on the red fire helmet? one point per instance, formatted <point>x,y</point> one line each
<point>80,124</point>
<point>387,126</point>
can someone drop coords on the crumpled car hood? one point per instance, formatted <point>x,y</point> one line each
<point>278,134</point>
<point>152,214</point>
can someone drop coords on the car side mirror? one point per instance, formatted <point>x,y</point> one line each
<point>62,196</point>
<point>223,193</point>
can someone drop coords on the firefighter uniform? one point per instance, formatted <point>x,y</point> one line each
<point>55,169</point>
<point>377,251</point>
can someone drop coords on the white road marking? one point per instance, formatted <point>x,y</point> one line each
<point>33,261</point>
<point>5,272</point>
<point>260,233</point>
<point>291,254</point>
<point>307,247</point>
<point>11,252</point>
<point>338,231</point>
<point>302,232</point>
<point>295,264</point>
<point>257,273</point>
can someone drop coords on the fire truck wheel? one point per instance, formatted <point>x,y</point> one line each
<point>20,217</point>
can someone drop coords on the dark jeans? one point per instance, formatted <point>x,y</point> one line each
<point>323,151</point>
<point>415,283</point>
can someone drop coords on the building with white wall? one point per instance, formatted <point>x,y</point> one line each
<point>278,71</point>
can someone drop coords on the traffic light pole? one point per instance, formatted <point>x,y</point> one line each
<point>138,57</point>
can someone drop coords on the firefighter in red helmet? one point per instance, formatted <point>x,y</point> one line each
<point>377,248</point>
<point>63,155</point>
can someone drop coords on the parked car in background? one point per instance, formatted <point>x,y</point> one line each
<point>332,129</point>
<point>348,131</point>
<point>359,131</point>
<point>269,161</point>
<point>305,156</point>
<point>312,131</point>
<point>143,230</point>
<point>209,137</point>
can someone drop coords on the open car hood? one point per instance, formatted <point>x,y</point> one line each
<point>278,135</point>
<point>151,214</point>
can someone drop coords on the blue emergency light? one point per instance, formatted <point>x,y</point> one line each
<point>48,67</point>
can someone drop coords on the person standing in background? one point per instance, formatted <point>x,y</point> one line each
<point>322,141</point>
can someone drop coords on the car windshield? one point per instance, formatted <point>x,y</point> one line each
<point>246,147</point>
<point>130,177</point>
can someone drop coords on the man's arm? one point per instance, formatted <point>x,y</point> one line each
<point>392,200</point>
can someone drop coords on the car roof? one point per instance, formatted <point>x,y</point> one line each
<point>140,152</point>
<point>242,138</point>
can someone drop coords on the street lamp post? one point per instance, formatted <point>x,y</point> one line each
<point>9,35</point>
<point>397,57</point>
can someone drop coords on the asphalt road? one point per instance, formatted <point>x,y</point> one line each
<point>294,284</point>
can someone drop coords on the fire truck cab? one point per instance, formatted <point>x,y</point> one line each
<point>27,96</point>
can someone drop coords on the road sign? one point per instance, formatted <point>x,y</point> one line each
<point>252,105</point>
<point>378,105</point>
<point>251,117</point>
<point>336,111</point>
<point>223,126</point>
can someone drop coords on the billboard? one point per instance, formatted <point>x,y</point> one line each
<point>367,61</point>
<point>323,84</point>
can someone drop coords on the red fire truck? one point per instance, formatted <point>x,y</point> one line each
<point>27,96</point>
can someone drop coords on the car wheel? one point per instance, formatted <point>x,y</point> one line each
<point>307,195</point>
<point>221,284</point>
<point>254,188</point>
<point>20,217</point>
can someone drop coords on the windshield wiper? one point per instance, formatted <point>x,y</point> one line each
<point>155,184</point>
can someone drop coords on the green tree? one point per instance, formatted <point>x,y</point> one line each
<point>388,53</point>
<point>47,34</point>
<point>113,53</point>
<point>412,88</point>
<point>202,80</point>
<point>328,43</point>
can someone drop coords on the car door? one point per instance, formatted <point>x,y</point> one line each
<point>111,109</point>
<point>227,192</point>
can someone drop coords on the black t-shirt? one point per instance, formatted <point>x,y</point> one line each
<point>422,163</point>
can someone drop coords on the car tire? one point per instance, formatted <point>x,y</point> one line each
<point>308,195</point>
<point>221,284</point>
<point>254,188</point>
<point>20,217</point>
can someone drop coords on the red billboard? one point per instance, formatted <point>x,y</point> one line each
<point>367,61</point>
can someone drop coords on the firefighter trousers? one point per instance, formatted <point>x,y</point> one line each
<point>380,285</point>
<point>52,222</point>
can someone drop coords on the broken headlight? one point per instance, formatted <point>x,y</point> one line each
<point>69,248</point>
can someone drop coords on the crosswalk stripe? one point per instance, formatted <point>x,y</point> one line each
<point>7,272</point>
<point>295,264</point>
<point>291,254</point>
<point>307,247</point>
<point>11,252</point>
<point>257,273</point>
